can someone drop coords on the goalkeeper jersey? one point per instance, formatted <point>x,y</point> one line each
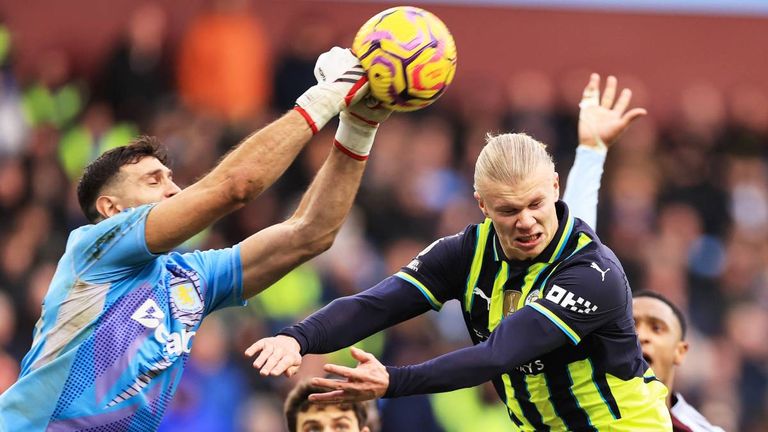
<point>116,330</point>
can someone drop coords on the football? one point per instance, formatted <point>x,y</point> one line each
<point>409,56</point>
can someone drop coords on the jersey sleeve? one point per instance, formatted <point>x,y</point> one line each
<point>347,320</point>
<point>585,296</point>
<point>439,270</point>
<point>519,338</point>
<point>112,248</point>
<point>583,185</point>
<point>222,273</point>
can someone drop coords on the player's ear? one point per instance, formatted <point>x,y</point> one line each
<point>108,206</point>
<point>681,349</point>
<point>557,186</point>
<point>481,203</point>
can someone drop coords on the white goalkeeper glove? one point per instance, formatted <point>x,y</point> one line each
<point>341,81</point>
<point>358,125</point>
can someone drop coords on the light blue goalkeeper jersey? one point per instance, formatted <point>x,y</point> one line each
<point>116,330</point>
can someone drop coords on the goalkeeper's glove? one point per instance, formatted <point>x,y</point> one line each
<point>341,81</point>
<point>358,125</point>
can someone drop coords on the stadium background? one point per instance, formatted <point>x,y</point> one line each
<point>684,200</point>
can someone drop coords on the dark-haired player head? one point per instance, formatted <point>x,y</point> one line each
<point>126,177</point>
<point>302,415</point>
<point>661,330</point>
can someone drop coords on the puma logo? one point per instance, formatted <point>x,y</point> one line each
<point>602,272</point>
<point>479,292</point>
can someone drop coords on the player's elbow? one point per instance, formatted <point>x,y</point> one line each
<point>241,187</point>
<point>315,239</point>
<point>497,359</point>
<point>320,243</point>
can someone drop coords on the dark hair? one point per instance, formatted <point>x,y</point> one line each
<point>101,171</point>
<point>678,313</point>
<point>298,401</point>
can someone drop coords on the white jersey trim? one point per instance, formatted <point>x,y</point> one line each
<point>687,415</point>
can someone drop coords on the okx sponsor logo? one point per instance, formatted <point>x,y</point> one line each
<point>569,300</point>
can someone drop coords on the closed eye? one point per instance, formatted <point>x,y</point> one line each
<point>508,212</point>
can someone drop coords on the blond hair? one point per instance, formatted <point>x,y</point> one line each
<point>510,158</point>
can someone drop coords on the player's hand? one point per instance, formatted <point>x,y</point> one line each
<point>603,119</point>
<point>357,126</point>
<point>369,380</point>
<point>341,81</point>
<point>276,355</point>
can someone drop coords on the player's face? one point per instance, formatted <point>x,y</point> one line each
<point>660,336</point>
<point>327,418</point>
<point>523,214</point>
<point>145,182</point>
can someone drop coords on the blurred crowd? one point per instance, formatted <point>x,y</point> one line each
<point>684,204</point>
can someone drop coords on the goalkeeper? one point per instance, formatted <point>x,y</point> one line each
<point>121,312</point>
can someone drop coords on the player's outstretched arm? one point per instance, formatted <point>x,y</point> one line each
<point>341,323</point>
<point>271,253</point>
<point>259,159</point>
<point>519,338</point>
<point>526,335</point>
<point>602,120</point>
<point>425,283</point>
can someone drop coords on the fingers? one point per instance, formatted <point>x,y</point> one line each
<point>335,396</point>
<point>275,365</point>
<point>329,383</point>
<point>346,372</point>
<point>339,391</point>
<point>609,94</point>
<point>633,115</point>
<point>264,355</point>
<point>624,98</point>
<point>591,94</point>
<point>253,349</point>
<point>286,366</point>
<point>361,355</point>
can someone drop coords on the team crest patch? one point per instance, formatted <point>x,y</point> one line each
<point>511,298</point>
<point>533,296</point>
<point>185,297</point>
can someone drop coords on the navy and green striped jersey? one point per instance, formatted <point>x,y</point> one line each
<point>568,325</point>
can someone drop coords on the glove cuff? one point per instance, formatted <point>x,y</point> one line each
<point>317,106</point>
<point>354,136</point>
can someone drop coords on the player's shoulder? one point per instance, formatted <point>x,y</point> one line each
<point>110,228</point>
<point>447,252</point>
<point>457,242</point>
<point>116,243</point>
<point>594,268</point>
